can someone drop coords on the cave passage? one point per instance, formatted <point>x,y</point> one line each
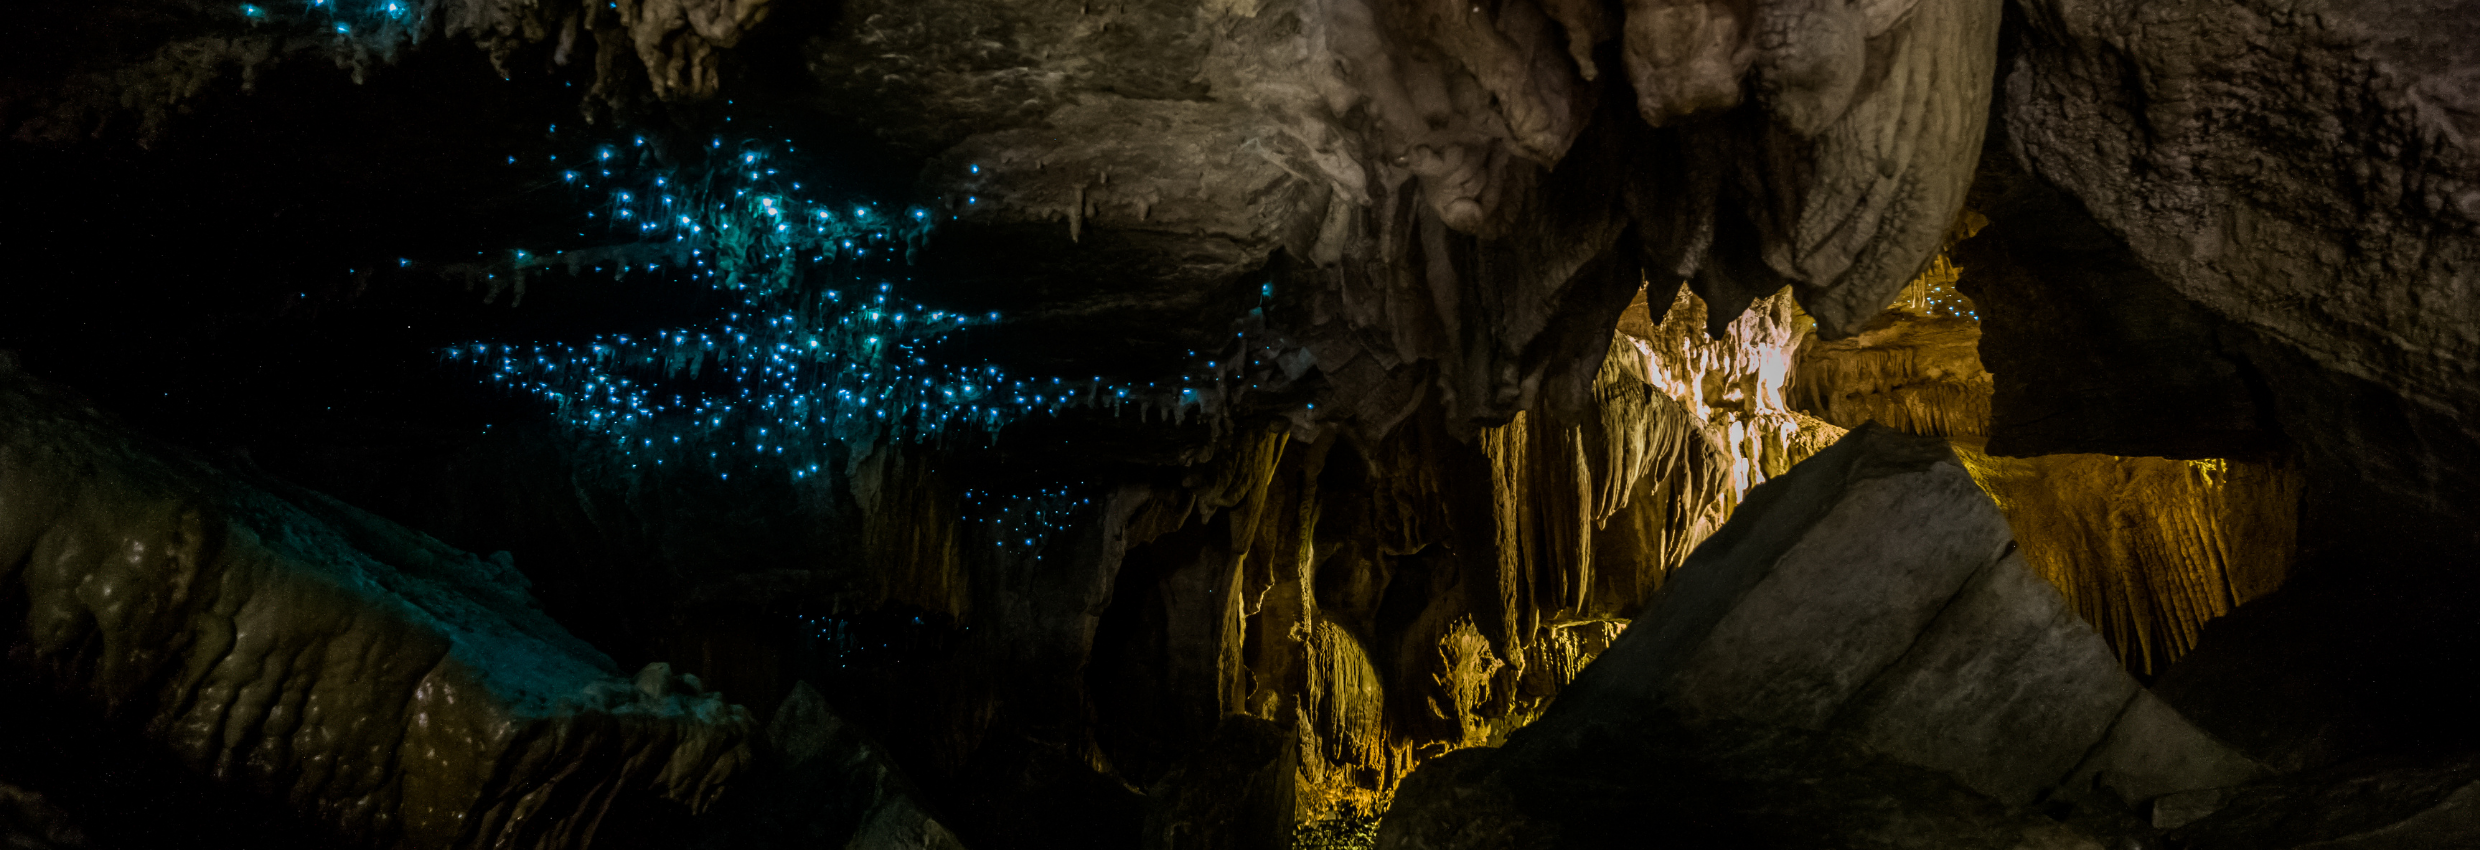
<point>1239,425</point>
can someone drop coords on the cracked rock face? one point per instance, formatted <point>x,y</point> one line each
<point>1420,498</point>
<point>1864,619</point>
<point>2305,173</point>
<point>399,692</point>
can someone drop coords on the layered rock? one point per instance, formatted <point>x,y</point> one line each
<point>394,690</point>
<point>2386,803</point>
<point>2306,175</point>
<point>1913,371</point>
<point>2147,549</point>
<point>2295,185</point>
<point>1859,658</point>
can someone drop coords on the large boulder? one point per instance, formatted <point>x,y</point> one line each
<point>2269,215</point>
<point>1858,658</point>
<point>396,691</point>
<point>2307,175</point>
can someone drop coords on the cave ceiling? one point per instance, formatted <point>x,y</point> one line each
<point>1278,395</point>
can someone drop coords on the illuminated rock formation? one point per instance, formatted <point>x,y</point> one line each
<point>2147,549</point>
<point>1918,373</point>
<point>396,691</point>
<point>1386,603</point>
<point>1252,417</point>
<point>2343,270</point>
<point>1859,658</point>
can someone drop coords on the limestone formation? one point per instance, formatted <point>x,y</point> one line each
<point>1865,619</point>
<point>1321,474</point>
<point>2305,174</point>
<point>2147,549</point>
<point>396,691</point>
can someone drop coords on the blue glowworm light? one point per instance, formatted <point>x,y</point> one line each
<point>794,373</point>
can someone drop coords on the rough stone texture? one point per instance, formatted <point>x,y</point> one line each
<point>1451,200</point>
<point>164,55</point>
<point>1862,619</point>
<point>1428,182</point>
<point>397,691</point>
<point>2305,172</point>
<point>1845,187</point>
<point>2091,352</point>
<point>2147,549</point>
<point>2394,804</point>
<point>2305,176</point>
<point>821,782</point>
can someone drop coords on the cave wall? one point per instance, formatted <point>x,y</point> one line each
<point>2148,549</point>
<point>1389,225</point>
<point>392,690</point>
<point>2289,189</point>
<point>1408,485</point>
<point>2314,193</point>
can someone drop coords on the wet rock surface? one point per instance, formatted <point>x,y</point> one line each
<point>2304,173</point>
<point>1857,659</point>
<point>1425,492</point>
<point>2289,186</point>
<point>398,692</point>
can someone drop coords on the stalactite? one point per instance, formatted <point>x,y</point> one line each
<point>1917,373</point>
<point>2147,549</point>
<point>910,533</point>
<point>1511,502</point>
<point>1345,707</point>
<point>1563,652</point>
<point>1510,561</point>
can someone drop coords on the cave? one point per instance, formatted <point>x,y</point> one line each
<point>1240,424</point>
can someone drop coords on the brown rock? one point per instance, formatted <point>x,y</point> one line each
<point>402,693</point>
<point>1857,658</point>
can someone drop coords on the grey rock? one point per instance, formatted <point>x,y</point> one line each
<point>2427,803</point>
<point>2151,752</point>
<point>2171,811</point>
<point>2299,170</point>
<point>1856,658</point>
